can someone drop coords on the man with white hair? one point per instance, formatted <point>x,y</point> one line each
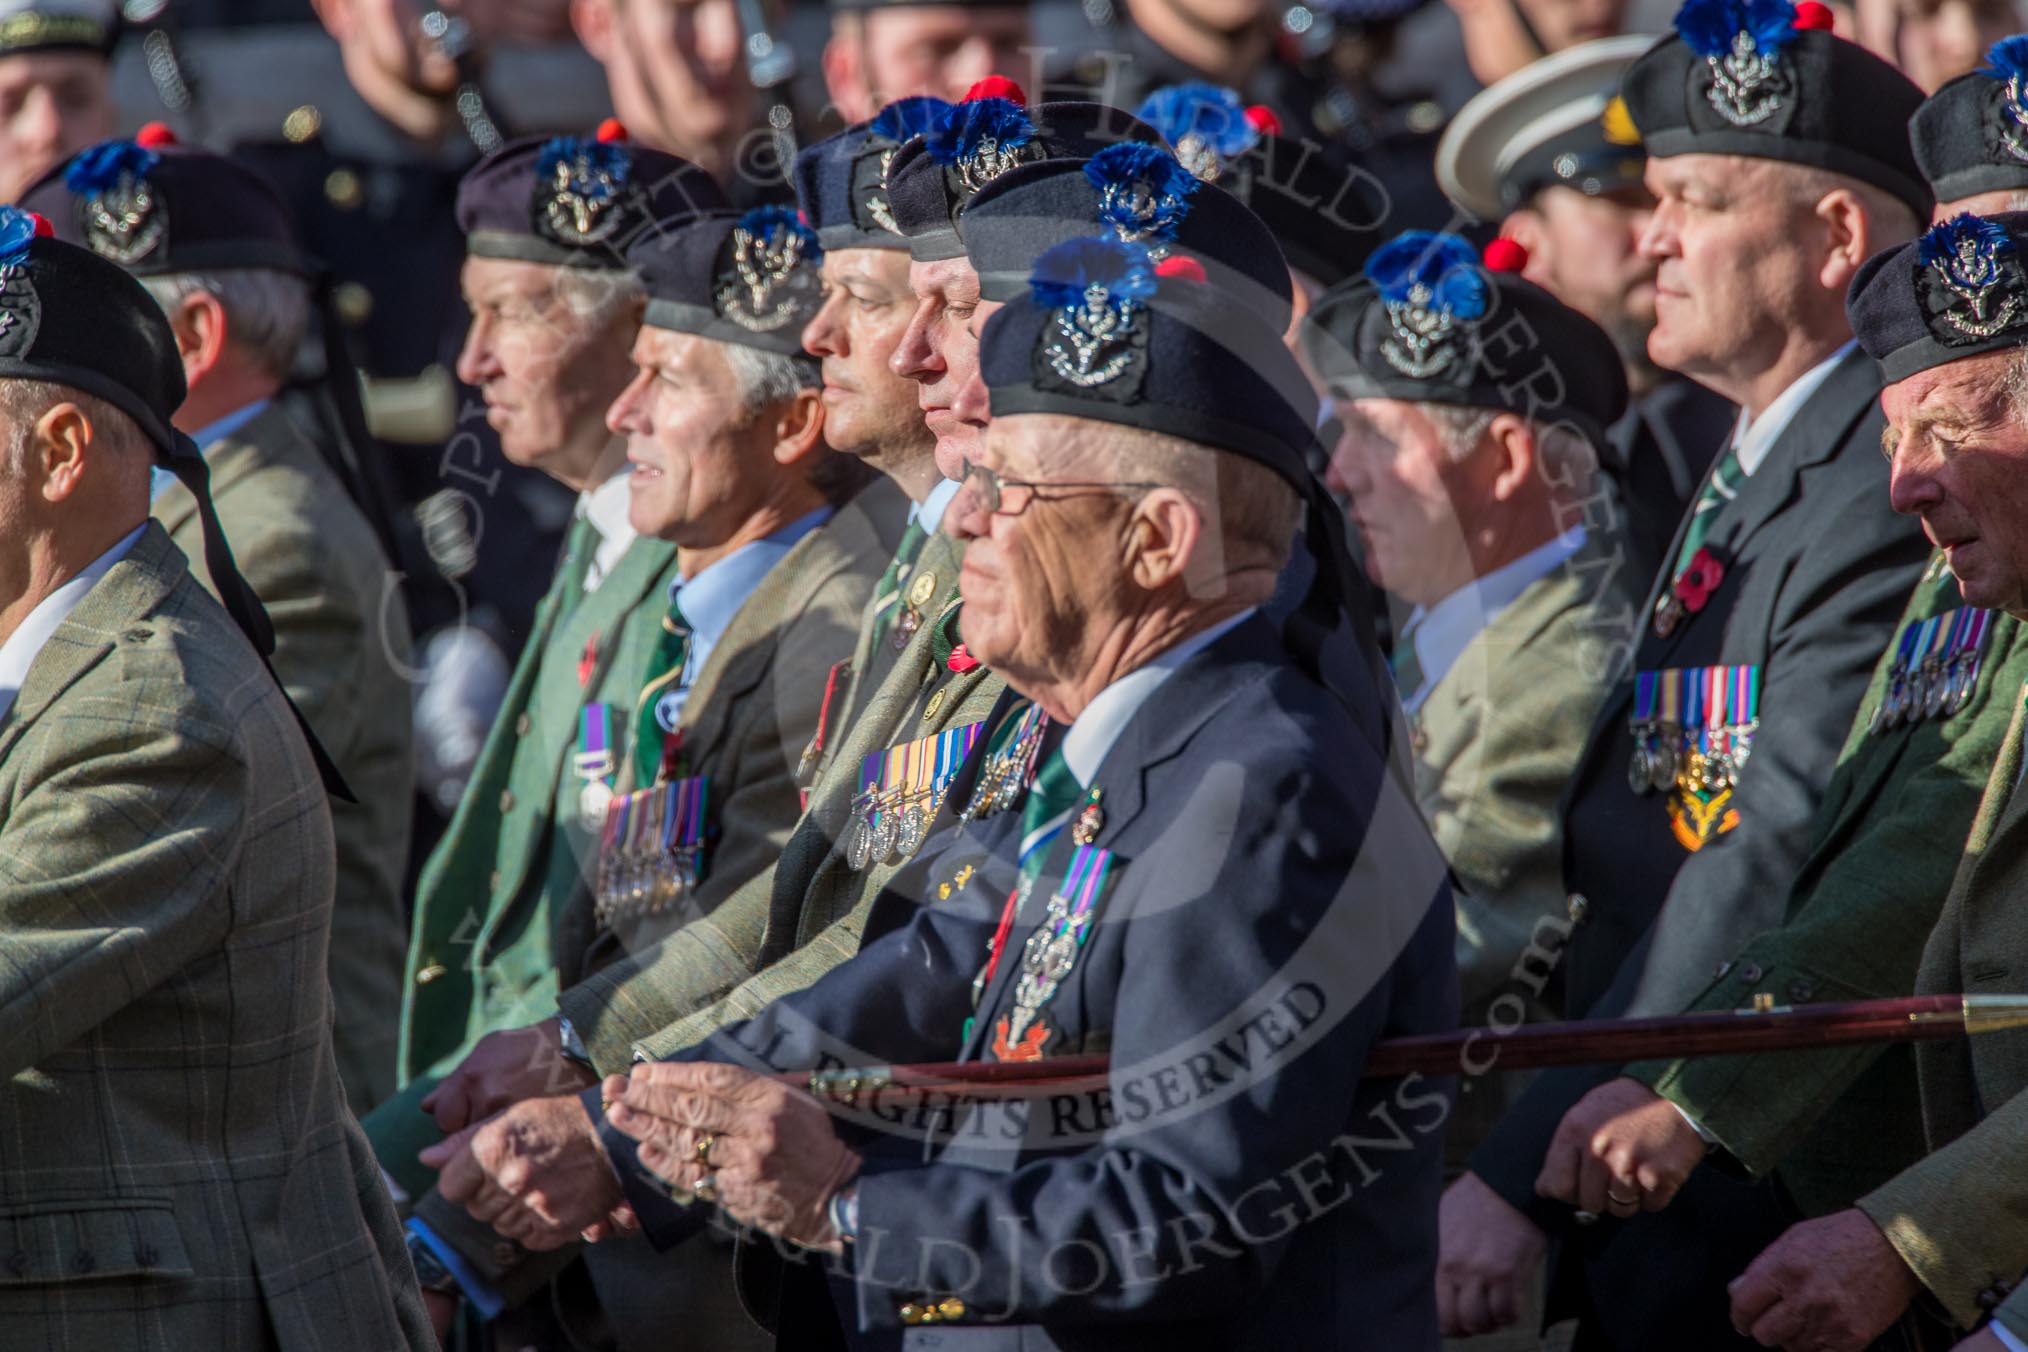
<point>212,242</point>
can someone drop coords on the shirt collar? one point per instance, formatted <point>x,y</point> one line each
<point>212,433</point>
<point>19,652</point>
<point>1441,632</point>
<point>1088,740</point>
<point>606,508</point>
<point>929,513</point>
<point>1753,439</point>
<point>714,596</point>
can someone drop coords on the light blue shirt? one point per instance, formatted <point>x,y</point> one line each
<point>19,652</point>
<point>929,513</point>
<point>711,599</point>
<point>206,437</point>
<point>1441,632</point>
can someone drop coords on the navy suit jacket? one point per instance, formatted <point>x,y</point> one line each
<point>1274,907</point>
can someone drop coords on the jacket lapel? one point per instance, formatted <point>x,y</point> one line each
<point>133,587</point>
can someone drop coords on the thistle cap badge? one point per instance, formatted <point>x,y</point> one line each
<point>1743,44</point>
<point>1433,290</point>
<point>1095,290</point>
<point>582,188</point>
<point>769,276</point>
<point>121,213</point>
<point>1970,279</point>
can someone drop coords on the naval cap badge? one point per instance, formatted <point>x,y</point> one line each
<point>1431,284</point>
<point>1742,43</point>
<point>121,213</point>
<point>771,279</point>
<point>1970,280</point>
<point>1095,289</point>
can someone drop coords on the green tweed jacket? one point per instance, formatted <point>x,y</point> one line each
<point>1495,741</point>
<point>1960,1216</point>
<point>791,923</point>
<point>493,914</point>
<point>1838,1121</point>
<point>181,1168</point>
<point>342,653</point>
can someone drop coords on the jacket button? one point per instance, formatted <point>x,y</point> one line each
<point>506,1254</point>
<point>1801,990</point>
<point>84,1262</point>
<point>1750,972</point>
<point>430,973</point>
<point>521,726</point>
<point>506,800</point>
<point>951,1308</point>
<point>1993,1297</point>
<point>1579,908</point>
<point>911,1313</point>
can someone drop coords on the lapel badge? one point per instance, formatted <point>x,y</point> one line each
<point>1091,819</point>
<point>1207,125</point>
<point>1430,284</point>
<point>923,590</point>
<point>1096,288</point>
<point>581,187</point>
<point>20,307</point>
<point>2007,120</point>
<point>982,138</point>
<point>1144,192</point>
<point>769,282</point>
<point>1969,280</point>
<point>122,217</point>
<point>1742,43</point>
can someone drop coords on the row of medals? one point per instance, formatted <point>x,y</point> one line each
<point>889,827</point>
<point>1666,754</point>
<point>1936,686</point>
<point>645,876</point>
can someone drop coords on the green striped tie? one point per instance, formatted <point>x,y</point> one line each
<point>887,593</point>
<point>1406,666</point>
<point>665,673</point>
<point>1722,487</point>
<point>1052,796</point>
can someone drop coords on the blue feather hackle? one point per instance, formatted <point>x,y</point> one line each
<point>17,232</point>
<point>106,163</point>
<point>1066,272</point>
<point>959,133</point>
<point>2008,59</point>
<point>768,224</point>
<point>1941,242</point>
<point>1444,264</point>
<point>612,159</point>
<point>908,117</point>
<point>1211,112</point>
<point>1168,182</point>
<point>1710,25</point>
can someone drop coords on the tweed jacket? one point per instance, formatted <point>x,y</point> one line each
<point>777,933</point>
<point>494,933</point>
<point>342,653</point>
<point>1836,1122</point>
<point>1960,1216</point>
<point>181,1170</point>
<point>1495,741</point>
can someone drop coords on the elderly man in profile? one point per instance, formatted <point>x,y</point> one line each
<point>1095,884</point>
<point>166,868</point>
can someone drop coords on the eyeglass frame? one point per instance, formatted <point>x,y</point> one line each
<point>999,483</point>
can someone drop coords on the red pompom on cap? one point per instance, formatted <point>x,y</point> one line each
<point>1814,17</point>
<point>1264,120</point>
<point>155,135</point>
<point>43,229</point>
<point>610,131</point>
<point>1179,268</point>
<point>1506,255</point>
<point>997,87</point>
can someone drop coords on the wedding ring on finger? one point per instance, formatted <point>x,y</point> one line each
<point>1614,1200</point>
<point>706,1189</point>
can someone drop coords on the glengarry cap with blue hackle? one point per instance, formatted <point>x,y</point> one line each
<point>841,181</point>
<point>1107,333</point>
<point>1326,212</point>
<point>1767,79</point>
<point>751,279</point>
<point>578,201</point>
<point>70,317</point>
<point>991,132</point>
<point>1137,193</point>
<point>1431,322</point>
<point>1971,136</point>
<point>1960,290</point>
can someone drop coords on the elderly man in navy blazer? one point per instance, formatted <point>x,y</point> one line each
<point>1179,843</point>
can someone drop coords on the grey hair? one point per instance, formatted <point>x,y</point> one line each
<point>23,402</point>
<point>1459,428</point>
<point>2014,385</point>
<point>266,311</point>
<point>596,296</point>
<point>770,378</point>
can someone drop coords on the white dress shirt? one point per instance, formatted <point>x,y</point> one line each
<point>1753,438</point>
<point>929,513</point>
<point>606,508</point>
<point>1442,632</point>
<point>18,653</point>
<point>1087,741</point>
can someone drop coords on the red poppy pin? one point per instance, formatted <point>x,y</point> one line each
<point>1698,580</point>
<point>960,661</point>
